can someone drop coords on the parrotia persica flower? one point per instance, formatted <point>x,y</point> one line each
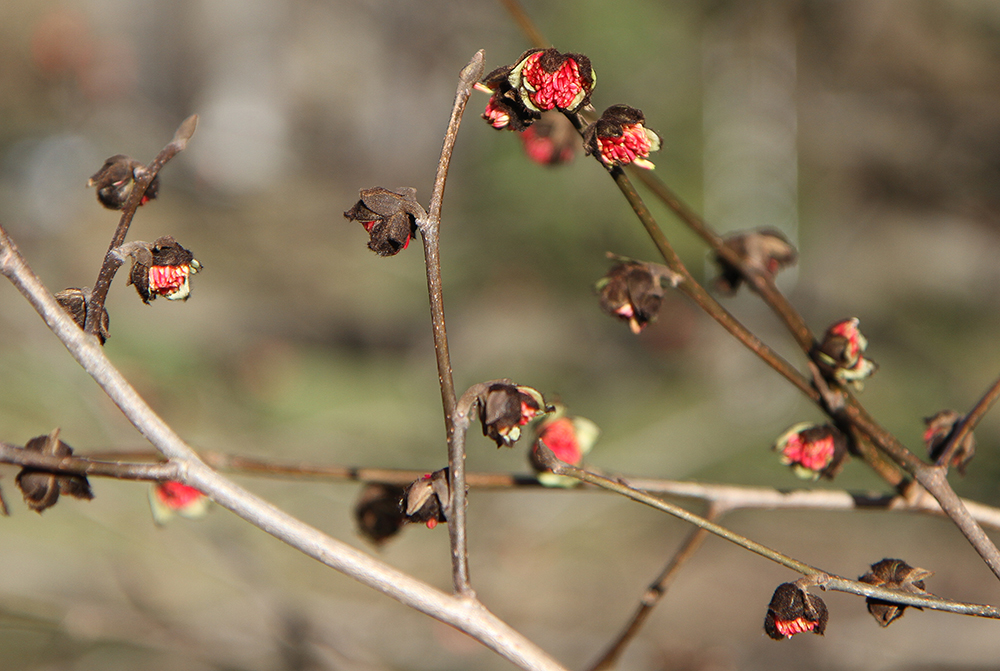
<point>504,408</point>
<point>940,428</point>
<point>765,251</point>
<point>792,611</point>
<point>427,500</point>
<point>620,137</point>
<point>569,438</point>
<point>162,268</point>
<point>841,353</point>
<point>551,141</point>
<point>167,499</point>
<point>390,217</point>
<point>633,291</point>
<point>74,301</point>
<point>894,574</point>
<point>116,179</point>
<point>378,512</point>
<point>813,451</point>
<point>41,489</point>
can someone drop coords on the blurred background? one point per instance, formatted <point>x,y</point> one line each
<point>868,132</point>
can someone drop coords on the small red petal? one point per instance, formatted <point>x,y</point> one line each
<point>176,495</point>
<point>560,437</point>
<point>431,524</point>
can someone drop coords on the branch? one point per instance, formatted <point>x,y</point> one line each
<point>969,422</point>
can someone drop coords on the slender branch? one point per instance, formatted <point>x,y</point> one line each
<point>112,261</point>
<point>969,422</point>
<point>824,578</point>
<point>154,472</point>
<point>465,614</point>
<point>524,21</point>
<point>654,594</point>
<point>430,232</point>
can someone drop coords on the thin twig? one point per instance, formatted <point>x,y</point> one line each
<point>824,578</point>
<point>969,422</point>
<point>654,594</point>
<point>430,232</point>
<point>99,294</point>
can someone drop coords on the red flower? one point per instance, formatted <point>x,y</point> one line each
<point>547,79</point>
<point>793,610</point>
<point>504,408</point>
<point>170,498</point>
<point>550,141</point>
<point>841,353</point>
<point>813,451</point>
<point>163,268</point>
<point>569,438</point>
<point>620,137</point>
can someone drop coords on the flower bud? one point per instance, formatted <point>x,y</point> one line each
<point>840,353</point>
<point>378,512</point>
<point>620,137</point>
<point>116,179</point>
<point>632,292</point>
<point>162,268</point>
<point>505,408</point>
<point>793,610</point>
<point>41,489</point>
<point>428,500</point>
<point>389,217</point>
<point>813,451</point>
<point>940,428</point>
<point>765,251</point>
<point>74,301</point>
<point>170,498</point>
<point>893,574</point>
<point>569,438</point>
<point>551,141</point>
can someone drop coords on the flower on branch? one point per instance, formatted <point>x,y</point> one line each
<point>167,499</point>
<point>569,438</point>
<point>389,217</point>
<point>551,141</point>
<point>941,427</point>
<point>378,511</point>
<point>620,137</point>
<point>162,268</point>
<point>504,408</point>
<point>893,574</point>
<point>841,351</point>
<point>793,610</point>
<point>116,179</point>
<point>549,79</point>
<point>74,301</point>
<point>764,251</point>
<point>633,292</point>
<point>813,451</point>
<point>428,500</point>
<point>41,489</point>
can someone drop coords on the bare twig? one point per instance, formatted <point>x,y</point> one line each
<point>112,261</point>
<point>430,232</point>
<point>969,422</point>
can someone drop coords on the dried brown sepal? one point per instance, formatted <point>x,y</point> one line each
<point>893,574</point>
<point>116,179</point>
<point>793,610</point>
<point>505,408</point>
<point>161,268</point>
<point>941,427</point>
<point>378,511</point>
<point>389,217</point>
<point>74,301</point>
<point>428,500</point>
<point>764,251</point>
<point>633,292</point>
<point>41,489</point>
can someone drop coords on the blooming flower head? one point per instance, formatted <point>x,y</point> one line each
<point>389,217</point>
<point>163,268</point>
<point>427,500</point>
<point>547,79</point>
<point>631,291</point>
<point>940,428</point>
<point>116,179</point>
<point>812,451</point>
<point>569,438</point>
<point>793,610</point>
<point>167,499</point>
<point>620,137</point>
<point>841,353</point>
<point>504,408</point>
<point>765,251</point>
<point>894,574</point>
